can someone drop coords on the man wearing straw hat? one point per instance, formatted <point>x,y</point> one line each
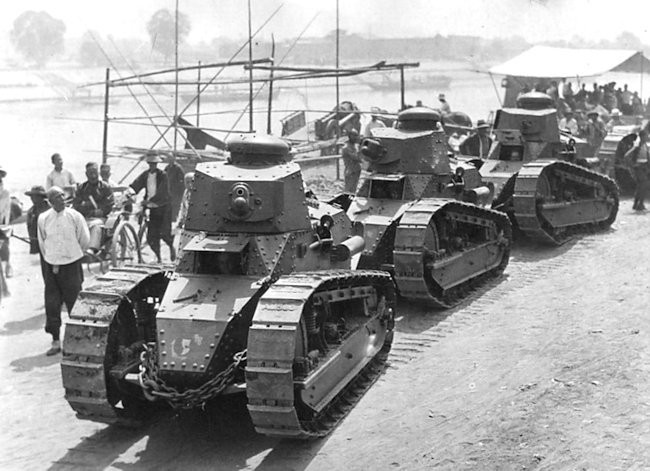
<point>156,199</point>
<point>40,204</point>
<point>478,144</point>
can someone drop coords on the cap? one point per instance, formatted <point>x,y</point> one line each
<point>37,190</point>
<point>481,124</point>
<point>592,113</point>
<point>616,112</point>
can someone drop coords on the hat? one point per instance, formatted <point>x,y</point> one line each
<point>616,112</point>
<point>481,124</point>
<point>152,157</point>
<point>592,112</point>
<point>37,190</point>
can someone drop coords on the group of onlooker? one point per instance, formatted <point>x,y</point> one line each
<point>66,220</point>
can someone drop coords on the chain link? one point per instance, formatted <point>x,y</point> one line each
<point>155,388</point>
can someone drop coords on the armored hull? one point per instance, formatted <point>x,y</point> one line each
<point>263,301</point>
<point>423,219</point>
<point>548,198</point>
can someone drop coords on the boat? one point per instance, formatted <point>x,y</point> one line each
<point>428,81</point>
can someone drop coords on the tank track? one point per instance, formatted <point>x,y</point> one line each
<point>527,212</point>
<point>271,358</point>
<point>87,343</point>
<point>410,252</point>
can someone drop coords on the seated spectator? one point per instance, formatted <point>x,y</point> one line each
<point>569,123</point>
<point>94,200</point>
<point>615,119</point>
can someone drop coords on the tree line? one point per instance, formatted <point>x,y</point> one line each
<point>38,38</point>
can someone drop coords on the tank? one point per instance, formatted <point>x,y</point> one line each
<point>262,301</point>
<point>548,198</point>
<point>423,217</point>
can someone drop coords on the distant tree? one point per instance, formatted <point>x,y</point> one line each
<point>37,36</point>
<point>629,40</point>
<point>162,31</point>
<point>90,54</point>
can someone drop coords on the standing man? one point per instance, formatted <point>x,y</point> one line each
<point>374,122</point>
<point>596,131</point>
<point>60,177</point>
<point>478,144</point>
<point>444,105</point>
<point>94,200</point>
<point>352,161</point>
<point>5,220</point>
<point>638,157</point>
<point>63,238</point>
<point>156,199</point>
<point>175,181</point>
<point>39,205</point>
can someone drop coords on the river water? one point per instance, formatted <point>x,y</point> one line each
<point>35,130</point>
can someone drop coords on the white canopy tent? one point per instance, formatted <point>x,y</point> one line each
<point>546,62</point>
<point>562,62</point>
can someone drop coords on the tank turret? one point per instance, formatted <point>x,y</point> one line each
<point>262,300</point>
<point>413,211</point>
<point>531,167</point>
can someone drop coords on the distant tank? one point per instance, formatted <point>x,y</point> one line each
<point>548,197</point>
<point>263,299</point>
<point>421,217</point>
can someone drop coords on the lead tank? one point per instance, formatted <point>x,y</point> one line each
<point>262,300</point>
<point>547,197</point>
<point>421,216</point>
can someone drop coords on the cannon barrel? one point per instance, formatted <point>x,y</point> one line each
<point>347,249</point>
<point>372,150</point>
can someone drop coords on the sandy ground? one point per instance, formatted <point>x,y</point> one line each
<point>547,368</point>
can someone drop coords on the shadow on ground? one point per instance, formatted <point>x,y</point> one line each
<point>219,437</point>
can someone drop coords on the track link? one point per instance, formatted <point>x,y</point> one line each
<point>528,211</point>
<point>412,249</point>
<point>274,385</point>
<point>87,348</point>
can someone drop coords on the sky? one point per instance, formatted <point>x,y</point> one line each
<point>534,20</point>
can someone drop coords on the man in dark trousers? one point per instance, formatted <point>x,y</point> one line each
<point>176,183</point>
<point>478,144</point>
<point>352,161</point>
<point>638,157</point>
<point>156,199</point>
<point>63,238</point>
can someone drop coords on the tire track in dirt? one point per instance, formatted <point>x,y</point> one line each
<point>416,330</point>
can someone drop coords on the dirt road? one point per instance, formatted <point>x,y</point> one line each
<point>547,368</point>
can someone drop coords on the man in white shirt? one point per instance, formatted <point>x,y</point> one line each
<point>60,177</point>
<point>63,239</point>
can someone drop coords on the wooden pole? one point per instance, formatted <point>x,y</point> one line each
<point>106,100</point>
<point>198,96</point>
<point>176,79</point>
<point>268,116</point>
<point>250,70</point>
<point>337,66</point>
<point>401,86</point>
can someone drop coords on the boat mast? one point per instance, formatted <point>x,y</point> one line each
<point>250,70</point>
